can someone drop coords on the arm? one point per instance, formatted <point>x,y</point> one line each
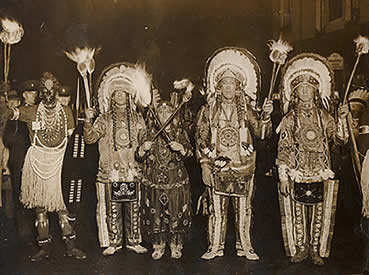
<point>256,124</point>
<point>338,133</point>
<point>285,155</point>
<point>93,132</point>
<point>70,120</point>
<point>203,135</point>
<point>203,146</point>
<point>144,148</point>
<point>185,141</point>
<point>182,145</point>
<point>6,113</point>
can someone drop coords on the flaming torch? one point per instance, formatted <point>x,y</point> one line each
<point>362,47</point>
<point>12,33</point>
<point>85,65</point>
<point>278,55</point>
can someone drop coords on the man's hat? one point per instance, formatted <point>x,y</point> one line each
<point>12,94</point>
<point>30,85</point>
<point>65,91</point>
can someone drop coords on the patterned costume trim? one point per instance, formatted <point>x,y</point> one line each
<point>296,161</point>
<point>288,217</point>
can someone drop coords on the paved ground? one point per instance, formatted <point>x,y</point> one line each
<point>345,258</point>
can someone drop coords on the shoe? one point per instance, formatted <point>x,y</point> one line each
<point>139,249</point>
<point>44,251</point>
<point>111,250</point>
<point>317,260</point>
<point>209,255</point>
<point>176,251</point>
<point>158,252</point>
<point>249,254</point>
<point>300,256</point>
<point>76,254</point>
<point>72,250</point>
<point>41,255</point>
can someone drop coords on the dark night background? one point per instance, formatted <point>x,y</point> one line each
<point>173,38</point>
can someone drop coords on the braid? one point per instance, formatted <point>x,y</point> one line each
<point>216,108</point>
<point>294,114</point>
<point>319,106</point>
<point>128,110</point>
<point>114,116</point>
<point>240,109</point>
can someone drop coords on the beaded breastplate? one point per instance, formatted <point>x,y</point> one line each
<point>228,134</point>
<point>310,143</point>
<point>51,128</point>
<point>125,132</point>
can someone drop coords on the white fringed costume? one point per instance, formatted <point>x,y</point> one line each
<point>49,124</point>
<point>116,131</point>
<point>224,134</point>
<point>308,212</point>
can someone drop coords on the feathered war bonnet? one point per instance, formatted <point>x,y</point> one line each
<point>358,100</point>
<point>132,78</point>
<point>233,62</point>
<point>307,68</point>
<point>361,96</point>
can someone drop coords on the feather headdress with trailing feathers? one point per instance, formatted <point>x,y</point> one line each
<point>314,66</point>
<point>239,63</point>
<point>132,78</point>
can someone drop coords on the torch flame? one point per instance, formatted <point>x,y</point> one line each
<point>362,44</point>
<point>10,25</point>
<point>280,45</point>
<point>279,50</point>
<point>12,31</point>
<point>84,57</point>
<point>81,55</point>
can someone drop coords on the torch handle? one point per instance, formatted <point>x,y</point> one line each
<point>351,77</point>
<point>5,62</point>
<point>87,90</point>
<point>8,62</point>
<point>159,123</point>
<point>77,100</point>
<point>168,120</point>
<point>272,81</point>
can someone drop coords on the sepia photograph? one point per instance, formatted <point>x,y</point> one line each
<point>184,137</point>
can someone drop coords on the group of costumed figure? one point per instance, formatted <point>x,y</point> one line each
<point>142,185</point>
